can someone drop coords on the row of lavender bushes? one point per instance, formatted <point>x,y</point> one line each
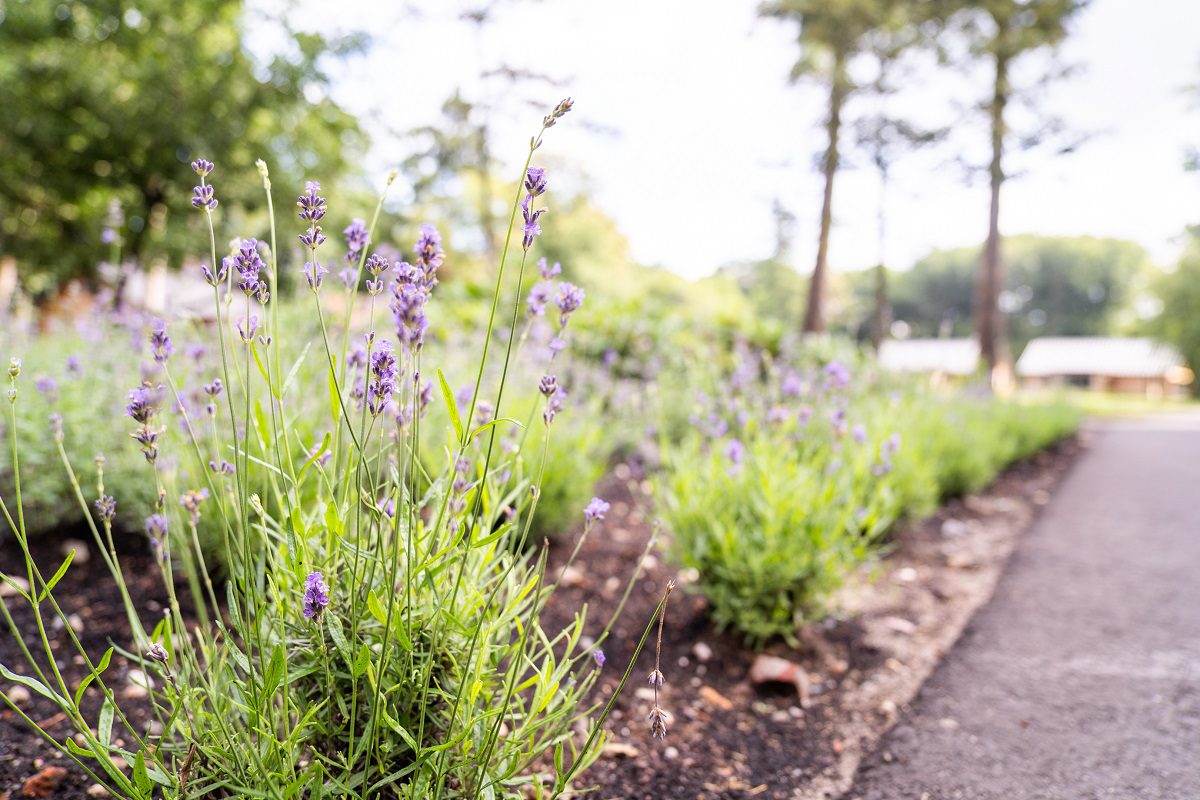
<point>788,472</point>
<point>361,608</point>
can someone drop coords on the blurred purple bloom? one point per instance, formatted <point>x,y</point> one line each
<point>570,298</point>
<point>837,374</point>
<point>108,236</point>
<point>735,451</point>
<point>539,296</point>
<point>595,510</point>
<point>348,277</point>
<point>46,385</point>
<point>106,507</point>
<point>160,343</point>
<point>791,385</point>
<point>191,501</point>
<point>598,657</point>
<point>859,433</point>
<point>357,239</point>
<point>247,328</point>
<point>73,365</point>
<point>548,273</point>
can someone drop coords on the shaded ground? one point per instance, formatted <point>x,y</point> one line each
<point>1081,679</point>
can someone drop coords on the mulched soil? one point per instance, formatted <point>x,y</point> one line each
<point>729,738</point>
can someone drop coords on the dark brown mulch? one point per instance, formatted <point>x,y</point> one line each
<point>88,596</point>
<point>728,739</point>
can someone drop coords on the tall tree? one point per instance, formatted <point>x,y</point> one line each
<point>832,35</point>
<point>108,101</point>
<point>1002,33</point>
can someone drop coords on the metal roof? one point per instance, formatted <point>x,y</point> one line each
<point>951,356</point>
<point>1111,356</point>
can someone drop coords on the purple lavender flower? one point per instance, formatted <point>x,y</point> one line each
<point>598,657</point>
<point>838,375</point>
<point>377,265</point>
<point>531,229</point>
<point>535,181</point>
<point>735,451</point>
<point>218,277</point>
<point>106,507</point>
<point>46,385</point>
<point>548,385</point>
<point>73,366</point>
<point>156,528</point>
<point>213,389</point>
<point>791,385</point>
<point>428,249</point>
<point>108,236</point>
<point>223,468</point>
<point>247,328</point>
<point>191,501</point>
<point>160,343</point>
<point>859,433</point>
<point>554,405</point>
<point>595,510</point>
<point>249,265</point>
<point>357,239</point>
<point>316,595</point>
<point>348,277</point>
<point>312,206</point>
<point>203,197</point>
<point>548,273</point>
<point>570,298</point>
<point>202,167</point>
<point>890,446</point>
<point>383,378</point>
<point>408,307</point>
<point>56,426</point>
<point>141,405</point>
<point>557,345</point>
<point>314,273</point>
<point>539,296</point>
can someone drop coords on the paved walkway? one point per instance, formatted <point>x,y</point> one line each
<point>1081,678</point>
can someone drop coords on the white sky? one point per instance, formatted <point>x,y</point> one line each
<point>686,127</point>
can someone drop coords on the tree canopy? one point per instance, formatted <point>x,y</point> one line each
<point>108,102</point>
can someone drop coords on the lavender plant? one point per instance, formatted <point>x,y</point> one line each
<point>378,632</point>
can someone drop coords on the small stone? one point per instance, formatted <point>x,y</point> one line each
<point>711,697</point>
<point>644,693</point>
<point>670,753</point>
<point>622,471</point>
<point>899,625</point>
<point>96,790</point>
<point>620,750</point>
<point>44,783</point>
<point>1041,497</point>
<point>954,527</point>
<point>948,724</point>
<point>76,623</point>
<point>82,553</point>
<point>888,707</point>
<point>702,652</point>
<point>572,576</point>
<point>19,695</point>
<point>906,574</point>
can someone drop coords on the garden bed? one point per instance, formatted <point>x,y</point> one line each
<point>729,738</point>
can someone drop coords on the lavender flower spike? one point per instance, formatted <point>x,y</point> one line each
<point>202,167</point>
<point>531,229</point>
<point>316,595</point>
<point>160,342</point>
<point>535,181</point>
<point>595,510</point>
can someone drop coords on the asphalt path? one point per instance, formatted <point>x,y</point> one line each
<point>1081,677</point>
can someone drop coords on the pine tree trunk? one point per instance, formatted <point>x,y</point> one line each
<point>814,314</point>
<point>989,321</point>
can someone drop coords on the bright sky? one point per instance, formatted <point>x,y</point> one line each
<point>686,128</point>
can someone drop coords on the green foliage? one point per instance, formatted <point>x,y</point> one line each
<point>1179,293</point>
<point>110,102</point>
<point>379,633</point>
<point>787,483</point>
<point>1054,286</point>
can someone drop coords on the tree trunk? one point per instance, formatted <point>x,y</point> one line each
<point>989,320</point>
<point>814,314</point>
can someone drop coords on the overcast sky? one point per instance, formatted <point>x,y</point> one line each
<point>687,129</point>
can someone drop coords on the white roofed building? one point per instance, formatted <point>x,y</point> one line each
<point>1103,364</point>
